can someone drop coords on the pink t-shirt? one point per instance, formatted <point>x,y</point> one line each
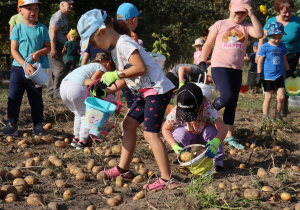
<point>197,55</point>
<point>231,43</point>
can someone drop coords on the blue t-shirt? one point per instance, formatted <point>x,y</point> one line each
<point>253,65</point>
<point>30,40</point>
<point>92,51</point>
<point>292,30</point>
<point>273,66</point>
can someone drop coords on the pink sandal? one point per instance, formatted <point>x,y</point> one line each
<point>160,184</point>
<point>114,172</point>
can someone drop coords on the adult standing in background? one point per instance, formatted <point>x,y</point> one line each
<point>291,40</point>
<point>58,30</point>
<point>14,20</point>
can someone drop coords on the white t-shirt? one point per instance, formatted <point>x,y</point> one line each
<point>154,82</point>
<point>84,72</point>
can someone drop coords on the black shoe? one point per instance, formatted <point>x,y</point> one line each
<point>39,130</point>
<point>219,169</point>
<point>10,130</point>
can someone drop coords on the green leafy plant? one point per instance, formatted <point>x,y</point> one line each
<point>160,45</point>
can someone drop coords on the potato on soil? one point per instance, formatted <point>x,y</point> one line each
<point>275,170</point>
<point>47,172</point>
<point>82,176</point>
<point>232,152</point>
<point>20,184</point>
<point>62,136</point>
<point>23,146</point>
<point>261,172</point>
<point>67,194</point>
<point>112,163</point>
<point>101,175</point>
<point>10,197</point>
<point>61,184</point>
<point>242,166</point>
<point>29,162</point>
<point>28,154</point>
<point>252,146</point>
<point>143,171</point>
<point>295,168</point>
<point>136,160</point>
<point>76,171</point>
<point>234,186</point>
<point>139,196</point>
<point>46,163</point>
<point>285,196</point>
<point>186,157</point>
<point>35,200</point>
<point>119,198</point>
<point>119,181</point>
<point>47,126</point>
<point>251,194</point>
<point>138,179</point>
<point>109,190</point>
<point>91,207</point>
<point>2,172</point>
<point>20,165</point>
<point>297,207</point>
<point>267,189</point>
<point>24,141</point>
<point>30,180</point>
<point>67,140</point>
<point>47,139</point>
<point>58,163</point>
<point>15,173</point>
<point>37,159</point>
<point>150,173</point>
<point>116,149</point>
<point>60,144</point>
<point>6,189</point>
<point>97,169</point>
<point>94,190</point>
<point>10,139</point>
<point>87,150</point>
<point>52,158</point>
<point>113,202</point>
<point>60,175</point>
<point>90,164</point>
<point>108,152</point>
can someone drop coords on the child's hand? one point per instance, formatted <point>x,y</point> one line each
<point>176,148</point>
<point>109,77</point>
<point>213,147</point>
<point>96,91</point>
<point>30,69</point>
<point>249,9</point>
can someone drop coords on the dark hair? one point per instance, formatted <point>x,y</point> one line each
<point>103,56</point>
<point>278,4</point>
<point>120,26</point>
<point>205,33</point>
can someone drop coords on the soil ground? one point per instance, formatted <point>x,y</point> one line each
<point>191,193</point>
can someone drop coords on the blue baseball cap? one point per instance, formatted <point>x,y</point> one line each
<point>88,24</point>
<point>255,44</point>
<point>128,11</point>
<point>275,28</point>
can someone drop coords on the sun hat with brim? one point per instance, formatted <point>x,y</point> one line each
<point>27,2</point>
<point>198,41</point>
<point>189,100</point>
<point>275,28</point>
<point>127,11</point>
<point>237,5</point>
<point>88,24</point>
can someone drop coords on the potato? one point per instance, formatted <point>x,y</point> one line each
<point>23,146</point>
<point>62,136</point>
<point>136,167</point>
<point>10,197</point>
<point>275,170</point>
<point>47,126</point>
<point>109,190</point>
<point>29,162</point>
<point>276,148</point>
<point>297,207</point>
<point>25,134</point>
<point>60,144</point>
<point>58,163</point>
<point>87,150</point>
<point>138,179</point>
<point>101,175</point>
<point>150,173</point>
<point>46,163</point>
<point>6,189</point>
<point>266,189</point>
<point>222,185</point>
<point>232,152</point>
<point>28,154</point>
<point>116,149</point>
<point>252,146</point>
<point>234,186</point>
<point>295,168</point>
<point>2,172</point>
<point>113,202</point>
<point>37,159</point>
<point>285,196</point>
<point>67,194</point>
<point>91,207</point>
<point>61,184</point>
<point>97,169</point>
<point>19,181</point>
<point>186,157</point>
<point>90,164</point>
<point>47,172</point>
<point>261,172</point>
<point>67,155</point>
<point>94,190</point>
<point>282,151</point>
<point>67,140</point>
<point>119,198</point>
<point>60,175</point>
<point>104,148</point>
<point>52,158</point>
<point>98,150</point>
<point>72,168</point>
<point>136,160</point>
<point>76,171</point>
<point>105,160</point>
<point>119,181</point>
<point>10,139</point>
<point>30,180</point>
<point>108,152</point>
<point>20,165</point>
<point>139,196</point>
<point>251,194</point>
<point>15,173</point>
<point>20,185</point>
<point>24,141</point>
<point>112,163</point>
<point>242,166</point>
<point>47,139</point>
<point>143,171</point>
<point>82,176</point>
<point>35,200</point>
<point>125,185</point>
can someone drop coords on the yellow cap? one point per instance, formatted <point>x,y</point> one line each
<point>73,32</point>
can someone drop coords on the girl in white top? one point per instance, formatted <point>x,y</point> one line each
<point>72,91</point>
<point>144,77</point>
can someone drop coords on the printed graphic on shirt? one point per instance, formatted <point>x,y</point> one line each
<point>233,39</point>
<point>138,84</point>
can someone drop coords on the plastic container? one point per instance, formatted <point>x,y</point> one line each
<point>207,90</point>
<point>39,77</point>
<point>251,78</point>
<point>160,59</point>
<point>292,86</point>
<point>294,101</point>
<point>244,88</point>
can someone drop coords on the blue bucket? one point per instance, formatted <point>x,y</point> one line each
<point>97,113</point>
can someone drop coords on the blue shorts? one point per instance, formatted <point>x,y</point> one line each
<point>150,110</point>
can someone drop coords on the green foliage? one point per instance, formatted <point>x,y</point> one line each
<point>160,46</point>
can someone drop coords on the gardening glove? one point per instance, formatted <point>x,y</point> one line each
<point>181,84</point>
<point>110,77</point>
<point>176,148</point>
<point>290,73</point>
<point>258,78</point>
<point>213,147</point>
<point>97,91</point>
<point>203,68</point>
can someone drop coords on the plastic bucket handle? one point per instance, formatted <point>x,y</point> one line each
<point>25,65</point>
<point>199,78</point>
<point>193,161</point>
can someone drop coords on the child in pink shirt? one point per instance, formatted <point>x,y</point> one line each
<point>230,37</point>
<point>198,47</point>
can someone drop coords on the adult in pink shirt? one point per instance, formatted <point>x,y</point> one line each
<point>230,37</point>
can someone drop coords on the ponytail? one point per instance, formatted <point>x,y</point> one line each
<point>103,56</point>
<point>120,26</point>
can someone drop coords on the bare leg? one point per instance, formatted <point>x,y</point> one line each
<point>128,141</point>
<point>267,101</point>
<point>280,100</point>
<point>230,130</point>
<point>160,153</point>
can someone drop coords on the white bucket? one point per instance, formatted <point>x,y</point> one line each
<point>207,90</point>
<point>39,77</point>
<point>160,59</point>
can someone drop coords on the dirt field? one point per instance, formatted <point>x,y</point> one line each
<point>191,193</point>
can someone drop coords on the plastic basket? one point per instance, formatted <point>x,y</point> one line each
<point>244,88</point>
<point>207,90</point>
<point>200,165</point>
<point>251,78</point>
<point>294,101</point>
<point>292,86</point>
<point>98,112</point>
<point>39,77</point>
<point>160,59</point>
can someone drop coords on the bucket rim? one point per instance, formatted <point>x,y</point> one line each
<point>98,108</point>
<point>195,160</point>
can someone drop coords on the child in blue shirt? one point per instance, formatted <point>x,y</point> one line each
<point>252,73</point>
<point>270,67</point>
<point>29,38</point>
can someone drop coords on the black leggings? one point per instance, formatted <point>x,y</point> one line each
<point>228,82</point>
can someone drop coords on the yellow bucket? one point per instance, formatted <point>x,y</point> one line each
<point>200,165</point>
<point>292,86</point>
